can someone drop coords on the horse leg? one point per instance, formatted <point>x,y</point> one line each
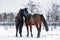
<point>39,30</point>
<point>20,30</point>
<point>27,31</point>
<point>31,31</point>
<point>16,30</point>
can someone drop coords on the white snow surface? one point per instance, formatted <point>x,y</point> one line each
<point>10,34</point>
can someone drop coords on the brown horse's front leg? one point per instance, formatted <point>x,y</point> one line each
<point>31,31</point>
<point>27,31</point>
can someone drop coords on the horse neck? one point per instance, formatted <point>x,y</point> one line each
<point>28,16</point>
<point>19,16</point>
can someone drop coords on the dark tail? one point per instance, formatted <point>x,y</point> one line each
<point>44,22</point>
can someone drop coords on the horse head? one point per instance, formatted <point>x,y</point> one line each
<point>26,13</point>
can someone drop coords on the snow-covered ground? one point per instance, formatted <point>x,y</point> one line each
<point>10,34</point>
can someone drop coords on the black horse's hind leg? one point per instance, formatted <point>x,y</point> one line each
<point>31,31</point>
<point>20,30</point>
<point>16,30</point>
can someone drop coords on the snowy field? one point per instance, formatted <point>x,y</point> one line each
<point>10,34</point>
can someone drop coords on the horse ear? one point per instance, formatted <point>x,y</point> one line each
<point>20,8</point>
<point>26,8</point>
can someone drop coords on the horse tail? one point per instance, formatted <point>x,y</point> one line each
<point>44,22</point>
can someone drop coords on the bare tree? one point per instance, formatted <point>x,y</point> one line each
<point>33,7</point>
<point>53,14</point>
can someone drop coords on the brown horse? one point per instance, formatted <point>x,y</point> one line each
<point>36,20</point>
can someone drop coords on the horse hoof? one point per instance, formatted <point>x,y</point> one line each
<point>37,36</point>
<point>31,35</point>
<point>27,36</point>
<point>16,36</point>
<point>20,35</point>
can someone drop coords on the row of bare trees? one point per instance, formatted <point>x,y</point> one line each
<point>52,15</point>
<point>6,17</point>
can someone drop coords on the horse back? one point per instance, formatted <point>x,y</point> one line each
<point>34,19</point>
<point>37,18</point>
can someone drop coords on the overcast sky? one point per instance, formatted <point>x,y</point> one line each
<point>15,5</point>
<point>11,5</point>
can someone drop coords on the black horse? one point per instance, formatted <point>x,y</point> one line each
<point>19,22</point>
